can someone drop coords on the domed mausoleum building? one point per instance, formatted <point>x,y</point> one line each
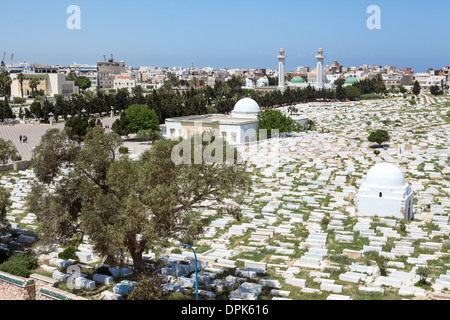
<point>297,80</point>
<point>350,81</point>
<point>385,194</point>
<point>239,127</point>
<point>246,108</point>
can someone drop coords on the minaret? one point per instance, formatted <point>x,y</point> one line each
<point>281,70</point>
<point>320,57</point>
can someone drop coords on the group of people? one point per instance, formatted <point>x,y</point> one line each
<point>23,139</point>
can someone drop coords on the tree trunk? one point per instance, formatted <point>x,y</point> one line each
<point>139,263</point>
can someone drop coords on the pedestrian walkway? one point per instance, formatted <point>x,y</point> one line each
<point>34,132</point>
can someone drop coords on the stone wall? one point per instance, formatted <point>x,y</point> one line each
<point>36,287</point>
<point>16,166</point>
<point>16,288</point>
<point>41,282</point>
<point>21,165</point>
<point>7,167</point>
<point>51,293</point>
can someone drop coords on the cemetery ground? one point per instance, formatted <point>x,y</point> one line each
<point>299,237</point>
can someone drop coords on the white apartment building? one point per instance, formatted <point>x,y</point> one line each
<point>124,80</point>
<point>426,80</point>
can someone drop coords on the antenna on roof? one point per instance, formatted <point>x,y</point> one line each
<point>104,57</point>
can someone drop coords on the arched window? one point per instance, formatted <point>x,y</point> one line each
<point>381,194</point>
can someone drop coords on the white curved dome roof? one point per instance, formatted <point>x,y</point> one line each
<point>385,175</point>
<point>247,105</point>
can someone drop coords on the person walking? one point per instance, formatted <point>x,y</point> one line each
<point>20,138</point>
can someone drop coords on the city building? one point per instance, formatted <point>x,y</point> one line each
<point>427,80</point>
<point>124,80</point>
<point>107,71</point>
<point>316,78</point>
<point>51,84</point>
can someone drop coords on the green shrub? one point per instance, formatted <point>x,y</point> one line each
<point>68,253</point>
<point>325,222</point>
<point>21,265</point>
<point>19,100</point>
<point>341,259</point>
<point>211,109</point>
<point>446,245</point>
<point>123,150</point>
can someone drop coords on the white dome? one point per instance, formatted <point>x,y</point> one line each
<point>385,175</point>
<point>247,105</point>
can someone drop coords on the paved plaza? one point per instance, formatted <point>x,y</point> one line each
<point>34,132</point>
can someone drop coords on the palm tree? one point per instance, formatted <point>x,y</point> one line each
<point>33,83</point>
<point>90,96</point>
<point>8,83</point>
<point>194,82</point>
<point>5,84</point>
<point>21,78</point>
<point>224,90</point>
<point>138,93</point>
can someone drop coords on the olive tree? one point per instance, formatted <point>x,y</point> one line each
<point>129,207</point>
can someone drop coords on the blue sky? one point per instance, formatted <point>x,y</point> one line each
<point>230,34</point>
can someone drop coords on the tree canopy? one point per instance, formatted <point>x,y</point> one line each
<point>436,90</point>
<point>8,151</point>
<point>416,88</point>
<point>141,117</point>
<point>271,119</point>
<point>127,207</point>
<point>83,82</point>
<point>76,127</point>
<point>352,93</point>
<point>379,136</point>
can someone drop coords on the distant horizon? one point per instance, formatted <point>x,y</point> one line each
<point>232,34</point>
<point>228,67</point>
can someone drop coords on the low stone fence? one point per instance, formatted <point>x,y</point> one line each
<point>16,288</point>
<point>37,287</point>
<point>16,166</point>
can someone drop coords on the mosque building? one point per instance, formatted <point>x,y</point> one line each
<point>316,78</point>
<point>385,194</point>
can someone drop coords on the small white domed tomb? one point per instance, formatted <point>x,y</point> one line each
<point>385,194</point>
